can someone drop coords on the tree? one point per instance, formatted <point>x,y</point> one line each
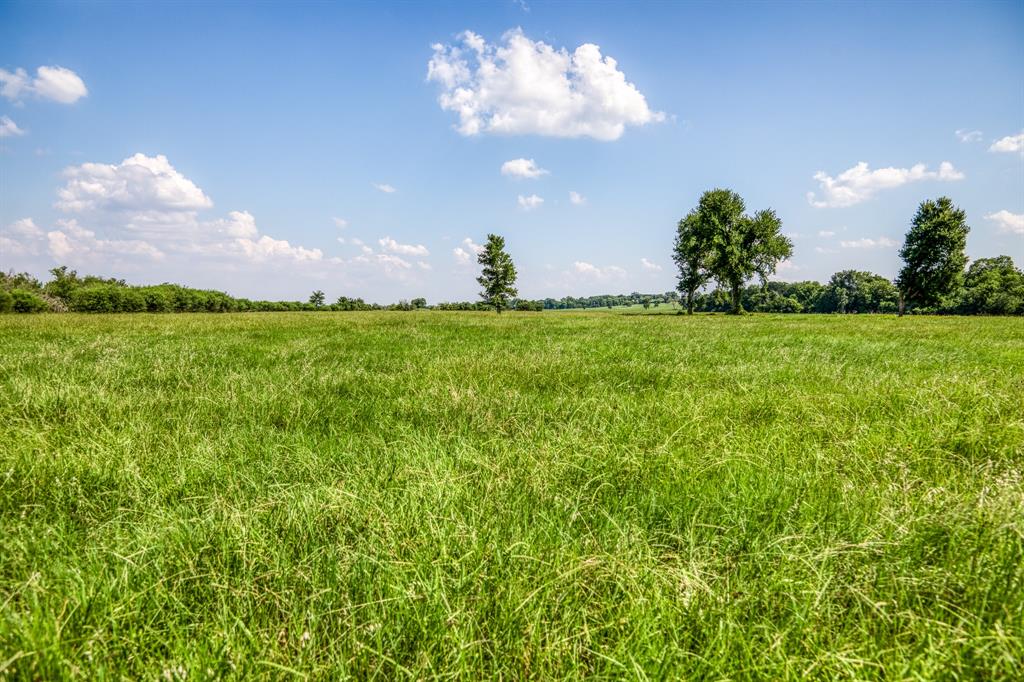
<point>690,253</point>
<point>737,246</point>
<point>316,298</point>
<point>498,277</point>
<point>992,286</point>
<point>856,291</point>
<point>419,303</point>
<point>933,253</point>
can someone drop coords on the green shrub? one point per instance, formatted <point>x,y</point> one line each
<point>107,298</point>
<point>27,302</point>
<point>6,302</point>
<point>158,300</point>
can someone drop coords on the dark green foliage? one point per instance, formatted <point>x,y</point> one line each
<point>6,301</point>
<point>345,303</point>
<point>855,291</point>
<point>529,306</point>
<point>498,278</point>
<point>690,253</point>
<point>24,301</point>
<point>992,286</point>
<point>463,305</point>
<point>316,299</point>
<point>419,303</point>
<point>607,300</point>
<point>107,298</point>
<point>933,253</point>
<point>736,246</point>
<point>65,282</point>
<point>10,281</point>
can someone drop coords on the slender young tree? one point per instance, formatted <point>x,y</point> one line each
<point>933,253</point>
<point>690,253</point>
<point>498,277</point>
<point>317,298</point>
<point>737,246</point>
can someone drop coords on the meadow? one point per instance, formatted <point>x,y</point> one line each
<point>532,495</point>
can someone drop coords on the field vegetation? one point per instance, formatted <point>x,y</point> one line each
<point>467,495</point>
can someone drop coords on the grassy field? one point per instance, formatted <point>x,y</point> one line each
<point>462,495</point>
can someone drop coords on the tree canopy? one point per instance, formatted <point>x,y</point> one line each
<point>498,277</point>
<point>719,240</point>
<point>933,253</point>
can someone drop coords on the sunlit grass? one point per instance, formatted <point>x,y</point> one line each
<point>534,495</point>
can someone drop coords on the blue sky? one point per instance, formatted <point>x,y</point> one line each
<point>244,147</point>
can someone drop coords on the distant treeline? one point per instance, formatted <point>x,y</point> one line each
<point>67,291</point>
<point>991,286</point>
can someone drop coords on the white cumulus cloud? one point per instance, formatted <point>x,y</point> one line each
<point>78,244</point>
<point>1010,143</point>
<point>267,248</point>
<point>860,183</point>
<point>389,244</point>
<point>148,208</point>
<point>237,224</point>
<point>525,87</point>
<point>9,128</point>
<point>522,168</point>
<point>577,199</point>
<point>139,182</point>
<point>529,203</point>
<point>50,82</point>
<point>1008,222</point>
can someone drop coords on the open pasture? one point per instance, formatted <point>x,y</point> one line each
<point>555,495</point>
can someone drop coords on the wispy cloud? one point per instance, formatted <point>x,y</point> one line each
<point>383,187</point>
<point>9,128</point>
<point>968,135</point>
<point>649,266</point>
<point>868,243</point>
<point>389,244</point>
<point>529,203</point>
<point>1007,222</point>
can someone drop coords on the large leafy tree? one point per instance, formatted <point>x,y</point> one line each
<point>933,253</point>
<point>992,286</point>
<point>498,277</point>
<point>856,291</point>
<point>737,246</point>
<point>690,254</point>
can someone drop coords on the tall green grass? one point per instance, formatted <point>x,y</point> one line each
<point>460,495</point>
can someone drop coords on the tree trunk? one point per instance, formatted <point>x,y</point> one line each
<point>689,302</point>
<point>736,307</point>
<point>902,305</point>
